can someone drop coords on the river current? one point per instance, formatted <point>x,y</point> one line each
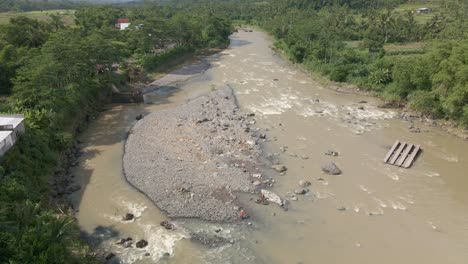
<point>372,213</point>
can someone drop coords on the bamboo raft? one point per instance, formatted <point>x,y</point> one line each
<point>402,154</point>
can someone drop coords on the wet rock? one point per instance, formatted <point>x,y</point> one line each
<point>331,168</point>
<point>109,256</point>
<point>128,244</point>
<point>141,244</point>
<point>275,80</point>
<point>262,136</point>
<point>331,153</point>
<point>279,168</point>
<point>304,183</point>
<point>301,191</point>
<point>128,217</point>
<point>361,108</point>
<point>363,102</point>
<point>341,208</point>
<point>139,117</point>
<point>147,254</point>
<point>168,225</point>
<point>251,114</point>
<point>319,111</point>
<point>123,240</point>
<point>272,197</point>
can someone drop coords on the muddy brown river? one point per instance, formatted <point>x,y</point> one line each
<point>372,213</point>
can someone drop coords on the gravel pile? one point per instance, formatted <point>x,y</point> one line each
<point>189,160</point>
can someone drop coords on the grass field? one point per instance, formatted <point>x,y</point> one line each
<point>68,16</point>
<point>413,5</point>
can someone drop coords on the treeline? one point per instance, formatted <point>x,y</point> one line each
<point>346,39</point>
<point>55,75</point>
<point>30,5</point>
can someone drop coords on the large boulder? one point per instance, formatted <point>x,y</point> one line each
<point>331,168</point>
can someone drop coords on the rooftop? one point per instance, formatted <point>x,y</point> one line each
<point>13,120</point>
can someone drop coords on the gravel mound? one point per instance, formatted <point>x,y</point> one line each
<point>189,160</point>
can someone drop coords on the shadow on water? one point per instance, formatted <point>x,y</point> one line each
<point>237,42</point>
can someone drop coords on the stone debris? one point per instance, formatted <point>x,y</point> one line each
<point>304,183</point>
<point>272,197</point>
<point>191,159</point>
<point>331,168</point>
<point>279,168</point>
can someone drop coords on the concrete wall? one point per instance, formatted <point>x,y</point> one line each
<point>7,140</point>
<point>11,127</point>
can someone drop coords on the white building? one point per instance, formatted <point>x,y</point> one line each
<point>11,127</point>
<point>122,23</point>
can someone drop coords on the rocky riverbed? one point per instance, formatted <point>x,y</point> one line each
<point>190,160</point>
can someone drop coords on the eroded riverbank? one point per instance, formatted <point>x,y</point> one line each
<point>372,212</point>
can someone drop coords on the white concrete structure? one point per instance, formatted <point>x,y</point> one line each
<point>11,126</point>
<point>6,141</point>
<point>123,26</point>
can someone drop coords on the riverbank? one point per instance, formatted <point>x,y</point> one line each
<point>190,160</point>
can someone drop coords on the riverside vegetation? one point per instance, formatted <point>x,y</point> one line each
<point>56,76</point>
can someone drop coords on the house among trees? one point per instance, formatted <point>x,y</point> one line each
<point>122,23</point>
<point>11,127</point>
<point>424,10</point>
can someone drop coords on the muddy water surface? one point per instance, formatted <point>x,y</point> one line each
<point>372,213</point>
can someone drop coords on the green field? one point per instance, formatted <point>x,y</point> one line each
<point>68,16</point>
<point>420,18</point>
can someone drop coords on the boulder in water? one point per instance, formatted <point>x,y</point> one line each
<point>331,168</point>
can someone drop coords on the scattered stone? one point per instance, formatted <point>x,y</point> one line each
<point>272,197</point>
<point>262,200</point>
<point>279,168</point>
<point>319,111</point>
<point>275,80</point>
<point>167,225</point>
<point>301,191</point>
<point>123,240</point>
<point>251,114</point>
<point>128,217</point>
<point>294,198</point>
<point>256,183</point>
<point>128,244</point>
<point>331,168</point>
<point>342,208</point>
<point>363,102</point>
<point>331,153</point>
<point>361,108</point>
<point>304,157</point>
<point>147,254</point>
<point>262,136</point>
<point>304,183</point>
<point>141,244</point>
<point>139,117</point>
<point>202,120</point>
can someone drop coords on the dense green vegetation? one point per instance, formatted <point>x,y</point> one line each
<point>55,75</point>
<point>379,45</point>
